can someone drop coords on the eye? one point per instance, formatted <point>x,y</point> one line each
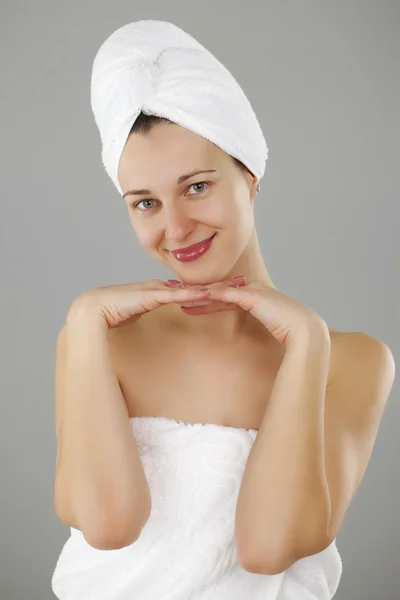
<point>199,183</point>
<point>146,200</point>
<point>136,205</point>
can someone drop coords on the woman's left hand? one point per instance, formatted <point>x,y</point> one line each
<point>285,318</point>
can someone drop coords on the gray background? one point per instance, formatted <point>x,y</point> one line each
<point>323,78</point>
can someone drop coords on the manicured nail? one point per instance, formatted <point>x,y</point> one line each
<point>174,282</point>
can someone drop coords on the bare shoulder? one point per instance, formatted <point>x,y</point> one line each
<point>356,349</point>
<point>364,371</point>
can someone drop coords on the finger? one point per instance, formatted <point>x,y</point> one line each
<point>205,302</point>
<point>240,297</point>
<point>178,285</point>
<point>235,282</point>
<point>239,280</point>
<point>198,310</point>
<point>200,302</point>
<point>203,310</point>
<point>180,295</point>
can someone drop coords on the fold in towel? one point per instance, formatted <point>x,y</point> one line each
<point>156,68</point>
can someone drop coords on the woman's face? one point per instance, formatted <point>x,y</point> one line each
<point>174,214</point>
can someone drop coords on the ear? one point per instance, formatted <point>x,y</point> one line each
<point>252,182</point>
<point>254,187</point>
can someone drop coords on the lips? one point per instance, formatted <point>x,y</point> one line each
<point>191,248</point>
<point>194,251</point>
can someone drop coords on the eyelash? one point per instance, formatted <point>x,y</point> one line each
<point>134,206</point>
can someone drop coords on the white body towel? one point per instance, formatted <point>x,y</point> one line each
<point>186,551</point>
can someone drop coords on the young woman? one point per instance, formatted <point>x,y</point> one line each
<point>212,431</point>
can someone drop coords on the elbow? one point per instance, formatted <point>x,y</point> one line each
<point>274,564</point>
<point>102,531</point>
<point>255,561</point>
<point>117,532</point>
<point>111,541</point>
<point>266,567</point>
<point>263,564</point>
<point>114,537</point>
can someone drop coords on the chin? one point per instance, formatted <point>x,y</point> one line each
<point>202,280</point>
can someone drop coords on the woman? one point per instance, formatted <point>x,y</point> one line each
<point>228,474</point>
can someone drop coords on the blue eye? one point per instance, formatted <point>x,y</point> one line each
<point>151,200</point>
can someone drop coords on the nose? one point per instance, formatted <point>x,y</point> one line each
<point>178,224</point>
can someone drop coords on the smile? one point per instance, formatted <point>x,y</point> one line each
<point>193,252</point>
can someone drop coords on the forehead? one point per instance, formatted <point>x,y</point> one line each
<point>164,153</point>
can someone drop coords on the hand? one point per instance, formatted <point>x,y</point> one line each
<point>285,318</point>
<point>126,303</point>
<point>201,307</point>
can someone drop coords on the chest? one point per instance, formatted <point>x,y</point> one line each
<point>197,382</point>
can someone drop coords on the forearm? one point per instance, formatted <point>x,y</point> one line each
<point>99,477</point>
<point>284,496</point>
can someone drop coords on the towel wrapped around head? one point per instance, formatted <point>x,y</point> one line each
<point>156,68</point>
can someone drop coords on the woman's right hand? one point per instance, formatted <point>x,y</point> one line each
<point>126,303</point>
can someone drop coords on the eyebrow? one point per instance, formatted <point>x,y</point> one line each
<point>180,180</point>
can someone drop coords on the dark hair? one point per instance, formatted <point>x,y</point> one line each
<point>145,123</point>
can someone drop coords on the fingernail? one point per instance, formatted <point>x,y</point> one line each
<point>174,282</point>
<point>239,278</point>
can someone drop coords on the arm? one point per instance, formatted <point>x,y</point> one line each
<point>100,484</point>
<point>284,503</point>
<point>355,400</point>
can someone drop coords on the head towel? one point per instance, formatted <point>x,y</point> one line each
<point>157,68</point>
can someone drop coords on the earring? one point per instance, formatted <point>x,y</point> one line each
<point>258,188</point>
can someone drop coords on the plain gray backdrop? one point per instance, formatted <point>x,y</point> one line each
<point>323,79</point>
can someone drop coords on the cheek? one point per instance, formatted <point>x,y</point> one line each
<point>222,215</point>
<point>242,212</point>
<point>146,236</point>
<point>148,240</point>
<point>230,217</point>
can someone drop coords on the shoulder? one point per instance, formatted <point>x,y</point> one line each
<point>363,374</point>
<point>358,352</point>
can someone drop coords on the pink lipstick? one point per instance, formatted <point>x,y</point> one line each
<point>193,252</point>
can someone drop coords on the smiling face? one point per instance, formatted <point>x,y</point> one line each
<point>174,214</point>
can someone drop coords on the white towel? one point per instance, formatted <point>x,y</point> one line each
<point>187,548</point>
<point>157,68</point>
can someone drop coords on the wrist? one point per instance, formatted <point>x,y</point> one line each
<point>84,313</point>
<point>311,339</point>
